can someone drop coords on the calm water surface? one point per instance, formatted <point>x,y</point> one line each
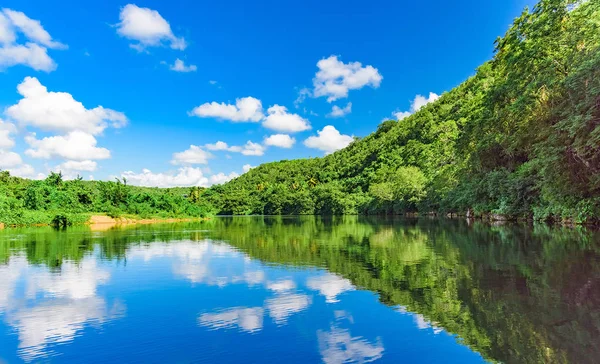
<point>300,290</point>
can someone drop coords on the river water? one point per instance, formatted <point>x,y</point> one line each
<point>298,290</point>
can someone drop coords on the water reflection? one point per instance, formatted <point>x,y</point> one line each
<point>331,290</point>
<point>246,319</point>
<point>283,306</point>
<point>330,286</point>
<point>50,307</point>
<point>339,346</point>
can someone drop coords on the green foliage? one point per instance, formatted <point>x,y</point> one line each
<point>59,202</point>
<point>520,138</point>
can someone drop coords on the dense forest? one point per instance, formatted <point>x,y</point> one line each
<point>519,139</point>
<point>59,202</point>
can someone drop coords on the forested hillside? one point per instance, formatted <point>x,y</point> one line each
<point>521,138</point>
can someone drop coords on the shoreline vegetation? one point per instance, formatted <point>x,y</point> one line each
<point>518,141</point>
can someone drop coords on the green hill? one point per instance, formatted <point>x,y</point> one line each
<point>520,138</point>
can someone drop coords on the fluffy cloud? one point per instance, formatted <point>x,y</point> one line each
<point>32,29</point>
<point>246,109</point>
<point>147,27</point>
<point>12,162</point>
<point>9,160</point>
<point>280,119</point>
<point>280,140</point>
<point>249,109</point>
<point>184,177</point>
<point>180,66</point>
<point>253,149</point>
<point>194,155</point>
<point>29,54</point>
<point>249,148</point>
<point>418,102</point>
<point>76,145</point>
<point>220,178</point>
<point>328,140</point>
<point>338,112</point>
<point>59,111</point>
<point>246,168</point>
<point>6,129</point>
<point>219,146</point>
<point>69,166</point>
<point>24,171</point>
<point>335,78</point>
<point>34,52</point>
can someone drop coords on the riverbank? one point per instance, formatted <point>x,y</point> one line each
<point>100,222</point>
<point>103,222</point>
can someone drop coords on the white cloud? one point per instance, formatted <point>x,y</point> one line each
<point>246,109</point>
<point>280,140</point>
<point>302,95</point>
<point>7,32</point>
<point>246,319</point>
<point>220,178</point>
<point>283,306</point>
<point>329,140</point>
<point>148,28</point>
<point>218,146</point>
<point>184,177</point>
<point>330,286</point>
<point>29,54</point>
<point>338,112</point>
<point>76,145</point>
<point>338,346</point>
<point>335,78</point>
<point>280,119</point>
<point>24,171</point>
<point>399,115</point>
<point>9,159</point>
<point>246,168</point>
<point>32,53</point>
<point>32,29</point>
<point>180,66</point>
<point>416,105</point>
<point>6,129</point>
<point>85,165</point>
<point>59,111</point>
<point>194,155</point>
<point>249,148</point>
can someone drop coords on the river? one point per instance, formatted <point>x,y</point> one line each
<point>301,289</point>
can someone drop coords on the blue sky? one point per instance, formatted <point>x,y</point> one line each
<point>107,97</point>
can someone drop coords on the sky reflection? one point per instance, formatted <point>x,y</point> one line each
<point>163,297</point>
